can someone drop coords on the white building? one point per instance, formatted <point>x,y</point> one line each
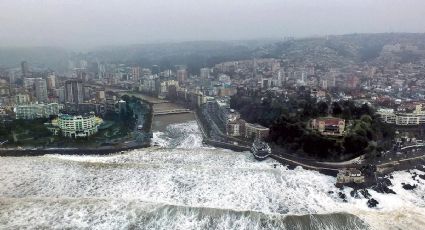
<point>417,117</point>
<point>22,99</point>
<point>75,126</point>
<point>33,111</point>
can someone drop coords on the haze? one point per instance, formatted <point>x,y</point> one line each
<point>88,23</point>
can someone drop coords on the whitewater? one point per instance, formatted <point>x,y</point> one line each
<point>180,183</point>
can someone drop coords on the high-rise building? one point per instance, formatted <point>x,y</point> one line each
<point>60,93</point>
<point>21,99</point>
<point>41,89</point>
<point>205,73</point>
<point>136,72</point>
<point>181,76</point>
<point>156,69</point>
<point>25,69</point>
<point>74,91</point>
<point>51,82</point>
<point>29,83</point>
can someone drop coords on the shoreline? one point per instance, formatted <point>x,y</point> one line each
<point>326,169</point>
<point>68,151</point>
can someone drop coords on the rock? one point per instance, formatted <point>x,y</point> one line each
<point>386,181</point>
<point>342,196</point>
<point>422,177</point>
<point>381,188</point>
<point>409,186</point>
<point>372,203</point>
<point>414,175</point>
<point>382,185</point>
<point>330,192</point>
<point>355,194</point>
<point>291,167</point>
<point>365,193</point>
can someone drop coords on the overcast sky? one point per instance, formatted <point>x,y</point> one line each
<point>87,23</point>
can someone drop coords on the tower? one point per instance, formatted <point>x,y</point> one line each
<point>40,90</point>
<point>74,91</point>
<point>25,69</point>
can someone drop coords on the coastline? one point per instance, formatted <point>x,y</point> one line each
<point>327,168</point>
<point>68,151</point>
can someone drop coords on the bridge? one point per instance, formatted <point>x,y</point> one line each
<point>171,111</point>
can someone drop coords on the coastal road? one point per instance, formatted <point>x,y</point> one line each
<point>308,166</point>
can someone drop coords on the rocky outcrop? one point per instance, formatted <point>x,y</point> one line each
<point>372,203</point>
<point>409,186</point>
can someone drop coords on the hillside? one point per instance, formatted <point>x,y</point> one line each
<point>349,49</point>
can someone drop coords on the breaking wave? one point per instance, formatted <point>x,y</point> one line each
<point>182,184</point>
<point>185,135</point>
<point>135,214</point>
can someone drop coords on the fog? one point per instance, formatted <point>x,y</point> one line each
<point>88,23</point>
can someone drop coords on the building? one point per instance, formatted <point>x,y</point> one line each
<point>150,85</point>
<point>34,111</point>
<point>4,90</point>
<point>29,83</point>
<point>165,85</point>
<point>256,131</point>
<point>75,126</point>
<point>25,69</point>
<point>417,117</point>
<point>330,126</point>
<point>136,73</point>
<point>40,90</point>
<point>234,129</point>
<point>224,112</point>
<point>60,93</point>
<point>205,73</point>
<point>100,95</point>
<point>387,115</point>
<point>182,76</point>
<point>347,176</point>
<point>74,91</point>
<point>51,82</point>
<point>21,99</point>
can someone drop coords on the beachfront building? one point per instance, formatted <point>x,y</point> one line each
<point>75,126</point>
<point>33,111</point>
<point>256,131</point>
<point>351,175</point>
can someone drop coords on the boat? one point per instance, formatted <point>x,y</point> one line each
<point>260,149</point>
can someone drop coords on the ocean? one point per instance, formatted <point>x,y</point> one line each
<point>182,184</point>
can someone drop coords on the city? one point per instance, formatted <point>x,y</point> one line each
<point>292,132</point>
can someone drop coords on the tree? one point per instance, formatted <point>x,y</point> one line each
<point>323,108</point>
<point>336,109</point>
<point>354,143</point>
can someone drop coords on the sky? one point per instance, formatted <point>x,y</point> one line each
<point>90,23</point>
